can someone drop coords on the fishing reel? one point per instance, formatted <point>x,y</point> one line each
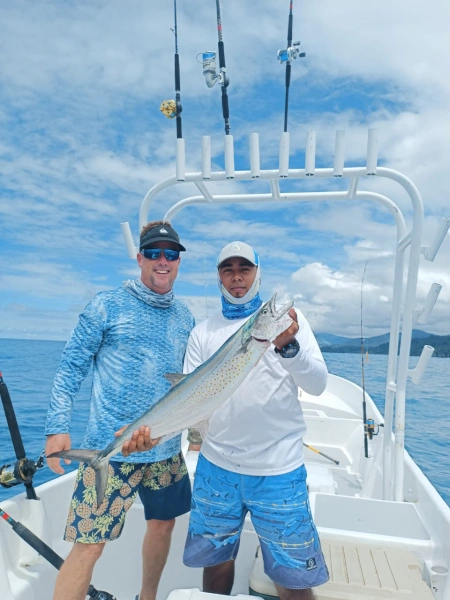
<point>20,472</point>
<point>169,108</point>
<point>209,70</point>
<point>99,595</point>
<point>291,53</point>
<point>371,429</point>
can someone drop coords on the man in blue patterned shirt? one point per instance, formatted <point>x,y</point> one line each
<point>133,335</point>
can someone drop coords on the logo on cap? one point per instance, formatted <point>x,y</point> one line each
<point>164,231</point>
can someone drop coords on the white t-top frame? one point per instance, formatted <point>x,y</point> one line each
<point>404,283</point>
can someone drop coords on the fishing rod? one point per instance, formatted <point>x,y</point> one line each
<point>209,70</point>
<point>23,469</point>
<point>224,81</point>
<point>22,472</point>
<point>46,552</point>
<point>370,427</point>
<point>287,56</point>
<point>364,408</point>
<point>173,108</point>
<point>178,108</point>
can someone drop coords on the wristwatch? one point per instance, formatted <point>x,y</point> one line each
<point>290,350</point>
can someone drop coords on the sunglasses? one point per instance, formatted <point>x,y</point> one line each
<point>155,253</point>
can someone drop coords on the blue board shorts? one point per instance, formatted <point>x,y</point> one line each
<point>280,512</point>
<point>163,487</point>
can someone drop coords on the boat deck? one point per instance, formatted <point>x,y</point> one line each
<point>359,572</point>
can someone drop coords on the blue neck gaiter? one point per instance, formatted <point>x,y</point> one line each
<point>239,311</point>
<point>136,288</point>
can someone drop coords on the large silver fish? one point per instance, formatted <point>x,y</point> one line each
<point>194,397</point>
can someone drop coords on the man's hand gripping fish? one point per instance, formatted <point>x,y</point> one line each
<point>193,398</point>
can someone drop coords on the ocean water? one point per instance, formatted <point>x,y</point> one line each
<point>28,369</point>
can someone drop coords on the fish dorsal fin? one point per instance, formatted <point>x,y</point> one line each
<point>175,378</point>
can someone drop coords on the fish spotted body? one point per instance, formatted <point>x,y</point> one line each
<point>194,397</point>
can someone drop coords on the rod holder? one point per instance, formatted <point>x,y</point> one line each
<point>229,157</point>
<point>284,154</point>
<point>424,313</point>
<point>131,248</point>
<point>372,152</point>
<point>416,374</point>
<point>430,251</point>
<point>181,160</point>
<point>206,157</point>
<point>339,149</point>
<point>255,164</point>
<point>310,153</point>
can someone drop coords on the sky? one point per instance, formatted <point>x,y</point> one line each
<point>82,141</point>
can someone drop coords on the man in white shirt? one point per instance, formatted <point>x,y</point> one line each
<point>251,459</point>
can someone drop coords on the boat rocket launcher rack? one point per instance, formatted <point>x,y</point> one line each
<point>404,311</point>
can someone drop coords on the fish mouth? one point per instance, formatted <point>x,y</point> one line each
<point>281,312</point>
<point>275,320</point>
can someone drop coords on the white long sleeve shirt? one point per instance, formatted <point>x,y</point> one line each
<point>259,430</point>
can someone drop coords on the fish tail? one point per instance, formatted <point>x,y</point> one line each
<point>96,460</point>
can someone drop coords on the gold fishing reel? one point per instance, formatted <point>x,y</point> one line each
<point>21,471</point>
<point>169,109</point>
<point>14,474</point>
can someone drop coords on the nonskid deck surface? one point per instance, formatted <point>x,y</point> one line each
<point>360,568</point>
<point>359,572</point>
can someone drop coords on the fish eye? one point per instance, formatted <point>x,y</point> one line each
<point>265,311</point>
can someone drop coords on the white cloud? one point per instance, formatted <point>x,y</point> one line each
<point>83,141</point>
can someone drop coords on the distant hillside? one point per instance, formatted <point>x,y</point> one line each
<point>328,339</point>
<point>380,344</point>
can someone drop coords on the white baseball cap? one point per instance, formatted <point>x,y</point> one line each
<point>240,249</point>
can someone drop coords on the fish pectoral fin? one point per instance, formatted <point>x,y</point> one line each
<point>175,378</point>
<point>77,454</point>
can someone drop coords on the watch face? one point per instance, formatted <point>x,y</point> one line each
<point>290,350</point>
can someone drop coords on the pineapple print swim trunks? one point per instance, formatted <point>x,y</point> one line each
<point>163,487</point>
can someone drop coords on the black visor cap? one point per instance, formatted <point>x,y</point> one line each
<point>160,233</point>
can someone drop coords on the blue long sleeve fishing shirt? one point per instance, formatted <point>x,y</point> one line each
<point>132,344</point>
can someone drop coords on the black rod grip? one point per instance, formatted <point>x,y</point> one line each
<point>225,107</point>
<point>38,545</point>
<point>177,73</point>
<point>221,55</point>
<point>290,31</point>
<point>31,492</point>
<point>12,421</point>
<point>288,75</point>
